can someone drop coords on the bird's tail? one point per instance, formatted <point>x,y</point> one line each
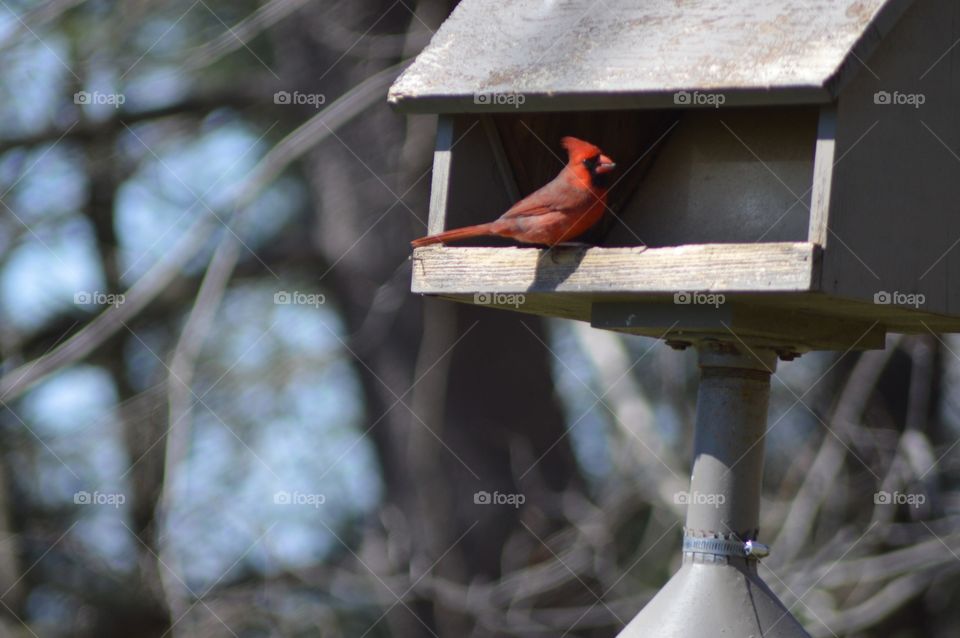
<point>454,235</point>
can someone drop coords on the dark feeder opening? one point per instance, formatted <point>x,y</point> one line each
<point>696,176</point>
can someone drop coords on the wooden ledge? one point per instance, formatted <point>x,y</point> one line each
<point>728,268</point>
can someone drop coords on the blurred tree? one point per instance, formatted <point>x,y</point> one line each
<point>224,414</point>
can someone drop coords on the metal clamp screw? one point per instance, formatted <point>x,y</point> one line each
<point>753,549</point>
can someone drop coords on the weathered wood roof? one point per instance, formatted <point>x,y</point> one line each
<point>573,54</point>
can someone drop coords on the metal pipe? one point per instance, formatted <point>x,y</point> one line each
<point>732,401</point>
<point>717,591</point>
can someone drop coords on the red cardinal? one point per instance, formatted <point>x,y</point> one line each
<point>560,211</point>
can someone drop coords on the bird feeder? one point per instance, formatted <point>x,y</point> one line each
<point>787,182</point>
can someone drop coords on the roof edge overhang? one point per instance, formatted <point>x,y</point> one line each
<point>608,101</point>
<point>826,91</point>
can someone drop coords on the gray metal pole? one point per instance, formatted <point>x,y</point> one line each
<point>732,405</point>
<point>717,591</point>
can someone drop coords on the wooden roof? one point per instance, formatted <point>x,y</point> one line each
<point>578,54</point>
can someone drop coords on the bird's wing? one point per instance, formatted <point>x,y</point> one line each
<point>557,196</point>
<point>527,210</point>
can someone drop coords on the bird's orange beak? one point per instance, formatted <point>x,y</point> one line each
<point>605,165</point>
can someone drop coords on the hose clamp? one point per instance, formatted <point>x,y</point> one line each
<point>750,549</point>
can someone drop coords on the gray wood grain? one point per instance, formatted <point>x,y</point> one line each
<point>894,218</point>
<point>765,267</point>
<point>824,160</point>
<point>633,53</point>
<point>440,180</point>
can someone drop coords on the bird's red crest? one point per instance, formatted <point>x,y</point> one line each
<point>578,149</point>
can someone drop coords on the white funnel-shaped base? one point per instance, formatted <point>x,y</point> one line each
<point>711,600</point>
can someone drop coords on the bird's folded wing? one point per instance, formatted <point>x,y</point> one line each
<point>524,209</point>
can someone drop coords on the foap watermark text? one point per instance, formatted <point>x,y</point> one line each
<point>897,298</point>
<point>97,298</point>
<point>283,497</point>
<point>497,98</point>
<point>499,299</point>
<point>96,97</point>
<point>696,98</point>
<point>899,498</point>
<point>486,498</point>
<point>699,498</point>
<point>695,298</point>
<point>297,298</point>
<point>112,499</point>
<point>316,100</point>
<point>896,98</point>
